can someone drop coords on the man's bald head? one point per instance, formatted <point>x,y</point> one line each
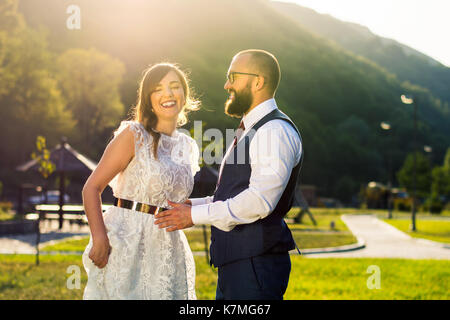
<point>265,64</point>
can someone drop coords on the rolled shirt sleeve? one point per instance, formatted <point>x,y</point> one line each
<point>200,201</point>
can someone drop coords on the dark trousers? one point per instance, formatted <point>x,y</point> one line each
<point>263,277</point>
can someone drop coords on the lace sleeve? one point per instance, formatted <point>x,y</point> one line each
<point>136,129</point>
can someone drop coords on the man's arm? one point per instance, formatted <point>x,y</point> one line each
<point>271,169</point>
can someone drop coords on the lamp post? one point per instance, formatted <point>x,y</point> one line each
<point>409,100</point>
<point>386,126</point>
<point>429,150</point>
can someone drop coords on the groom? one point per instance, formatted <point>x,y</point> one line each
<point>250,241</point>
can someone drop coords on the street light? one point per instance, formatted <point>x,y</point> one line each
<point>429,150</point>
<point>406,99</point>
<point>386,126</point>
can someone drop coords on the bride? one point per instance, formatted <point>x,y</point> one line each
<point>147,163</point>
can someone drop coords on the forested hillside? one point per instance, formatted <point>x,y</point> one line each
<point>405,62</point>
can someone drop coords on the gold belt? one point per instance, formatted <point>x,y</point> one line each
<point>134,205</point>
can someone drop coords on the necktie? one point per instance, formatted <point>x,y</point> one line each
<point>239,131</point>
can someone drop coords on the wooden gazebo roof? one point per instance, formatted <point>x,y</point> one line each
<point>65,158</point>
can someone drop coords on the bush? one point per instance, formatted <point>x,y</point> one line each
<point>447,206</point>
<point>345,188</point>
<point>5,213</point>
<point>434,204</point>
<point>6,206</point>
<point>402,204</point>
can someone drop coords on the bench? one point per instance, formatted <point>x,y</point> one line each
<point>74,213</point>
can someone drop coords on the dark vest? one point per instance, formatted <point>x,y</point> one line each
<point>268,235</point>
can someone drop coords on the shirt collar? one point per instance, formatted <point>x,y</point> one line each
<point>258,112</point>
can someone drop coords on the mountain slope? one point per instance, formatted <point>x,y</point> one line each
<point>407,63</point>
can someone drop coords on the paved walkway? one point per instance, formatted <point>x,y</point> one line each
<point>26,243</point>
<point>385,241</point>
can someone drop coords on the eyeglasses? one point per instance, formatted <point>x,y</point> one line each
<point>231,77</point>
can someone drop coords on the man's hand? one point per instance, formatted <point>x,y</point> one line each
<point>175,219</point>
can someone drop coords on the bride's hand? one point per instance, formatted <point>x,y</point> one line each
<point>189,202</point>
<point>100,252</point>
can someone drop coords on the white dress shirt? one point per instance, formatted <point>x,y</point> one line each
<point>274,151</point>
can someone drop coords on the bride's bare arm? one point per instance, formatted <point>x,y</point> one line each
<point>115,159</point>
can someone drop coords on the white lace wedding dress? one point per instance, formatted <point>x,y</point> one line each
<point>147,262</point>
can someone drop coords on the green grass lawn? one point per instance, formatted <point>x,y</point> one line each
<point>72,245</point>
<point>304,239</point>
<point>436,230</point>
<point>347,279</point>
<point>309,240</point>
<point>323,223</point>
<point>310,278</point>
<point>21,279</point>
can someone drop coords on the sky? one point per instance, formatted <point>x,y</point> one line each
<point>420,24</point>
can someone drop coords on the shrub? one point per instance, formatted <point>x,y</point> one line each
<point>402,204</point>
<point>434,204</point>
<point>6,206</point>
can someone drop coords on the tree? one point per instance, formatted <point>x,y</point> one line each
<point>441,177</point>
<point>345,189</point>
<point>10,19</point>
<point>446,164</point>
<point>423,174</point>
<point>10,23</point>
<point>46,167</point>
<point>90,81</point>
<point>30,102</point>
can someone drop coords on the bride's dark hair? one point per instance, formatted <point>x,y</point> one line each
<point>143,113</point>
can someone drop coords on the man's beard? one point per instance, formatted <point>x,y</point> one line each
<point>240,104</point>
